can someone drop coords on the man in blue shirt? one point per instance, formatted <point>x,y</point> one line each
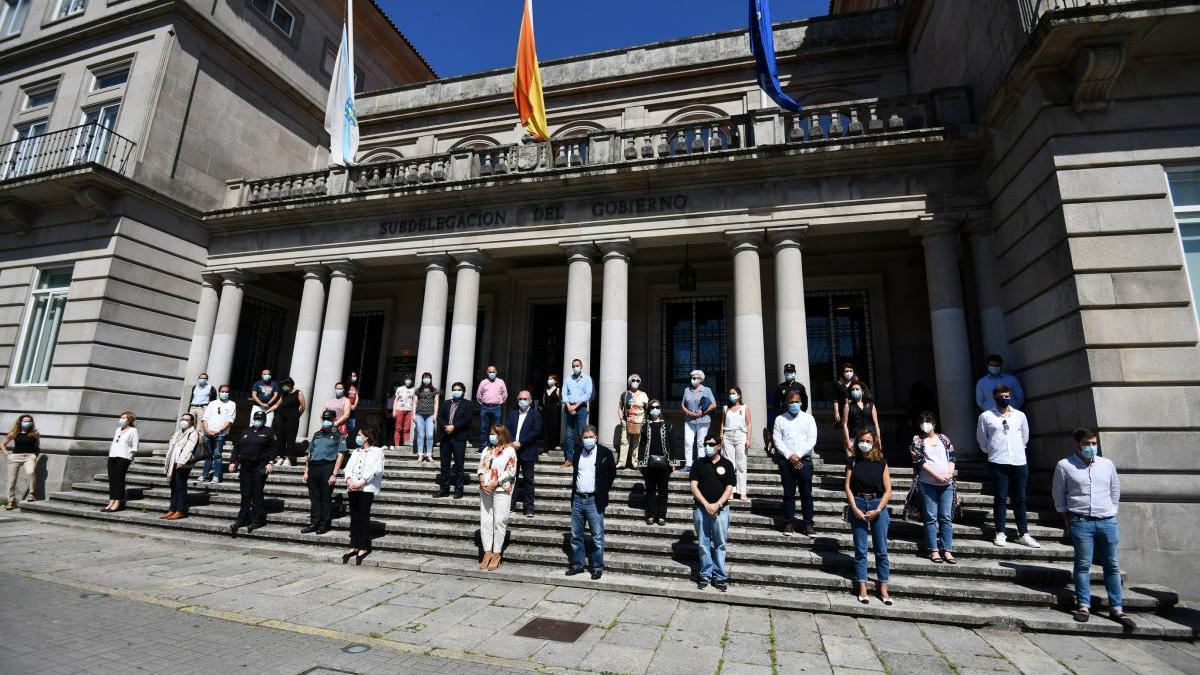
<point>577,394</point>
<point>995,377</point>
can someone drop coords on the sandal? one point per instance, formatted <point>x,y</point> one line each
<point>949,558</point>
<point>9,506</point>
<point>936,557</point>
<point>1123,619</point>
<point>1081,615</point>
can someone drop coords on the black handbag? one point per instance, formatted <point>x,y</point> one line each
<point>658,462</point>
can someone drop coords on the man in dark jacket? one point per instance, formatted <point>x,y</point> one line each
<point>252,457</point>
<point>786,387</point>
<point>454,418</point>
<point>525,427</point>
<point>592,476</point>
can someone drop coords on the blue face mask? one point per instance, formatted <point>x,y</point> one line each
<point>734,398</point>
<point>360,441</point>
<point>256,424</point>
<point>202,383</point>
<point>589,444</point>
<point>492,376</point>
<point>26,424</point>
<point>456,394</point>
<point>522,404</point>
<point>224,396</point>
<point>994,370</point>
<point>794,408</point>
<point>708,450</point>
<point>856,394</point>
<point>326,424</point>
<point>493,439</point>
<point>655,412</point>
<point>1088,452</point>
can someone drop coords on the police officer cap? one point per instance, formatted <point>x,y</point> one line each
<point>329,415</point>
<point>259,415</point>
<point>789,368</point>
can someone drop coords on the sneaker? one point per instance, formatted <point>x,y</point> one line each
<point>215,481</point>
<point>720,586</point>
<point>1028,540</point>
<point>702,584</point>
<point>1000,540</point>
<point>787,529</point>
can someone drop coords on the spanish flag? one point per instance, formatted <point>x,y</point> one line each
<point>527,82</point>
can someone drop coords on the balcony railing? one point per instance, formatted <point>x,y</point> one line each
<point>1032,10</point>
<point>85,144</point>
<point>878,118</point>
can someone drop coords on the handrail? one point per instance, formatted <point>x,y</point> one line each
<point>91,143</point>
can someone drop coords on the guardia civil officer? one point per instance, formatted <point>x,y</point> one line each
<point>251,458</point>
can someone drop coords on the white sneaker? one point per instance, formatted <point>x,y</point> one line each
<point>1000,540</point>
<point>1028,540</point>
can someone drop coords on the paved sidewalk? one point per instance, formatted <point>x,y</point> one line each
<point>315,605</point>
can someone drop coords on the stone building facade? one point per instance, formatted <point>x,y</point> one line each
<point>1005,177</point>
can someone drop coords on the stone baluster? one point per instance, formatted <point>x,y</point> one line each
<point>486,168</point>
<point>560,156</point>
<point>647,146</point>
<point>835,123</point>
<point>439,170</point>
<point>502,162</point>
<point>573,157</point>
<point>631,152</point>
<point>795,131</point>
<point>856,127</point>
<point>426,174</point>
<point>664,145</point>
<point>895,121</point>
<point>814,127</point>
<point>698,139</point>
<point>714,137</point>
<point>874,124</point>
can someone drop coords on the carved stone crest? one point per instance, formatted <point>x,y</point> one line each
<point>529,156</point>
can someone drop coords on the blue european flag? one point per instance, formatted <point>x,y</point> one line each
<point>762,45</point>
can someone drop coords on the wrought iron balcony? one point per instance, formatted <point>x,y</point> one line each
<point>79,146</point>
<point>1032,10</point>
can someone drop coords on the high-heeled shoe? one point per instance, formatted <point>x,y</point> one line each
<point>495,562</point>
<point>359,558</point>
<point>486,560</point>
<point>347,556</point>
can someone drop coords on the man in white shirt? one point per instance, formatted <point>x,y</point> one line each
<point>1003,433</point>
<point>218,418</point>
<point>794,436</point>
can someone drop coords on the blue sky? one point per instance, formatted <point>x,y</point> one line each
<point>466,36</point>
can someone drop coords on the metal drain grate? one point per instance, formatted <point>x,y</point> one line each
<point>553,629</point>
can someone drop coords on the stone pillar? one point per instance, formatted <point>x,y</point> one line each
<point>202,336</point>
<point>229,311</point>
<point>461,366</point>
<point>987,288</point>
<point>577,334</point>
<point>614,331</point>
<point>948,323</point>
<point>791,317</point>
<point>308,337</point>
<point>749,352</point>
<point>433,319</point>
<point>332,352</point>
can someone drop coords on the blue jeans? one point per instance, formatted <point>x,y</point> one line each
<point>937,503</point>
<point>575,425</point>
<point>213,465</point>
<point>351,432</point>
<point>1098,537</point>
<point>879,536</point>
<point>1008,483</point>
<point>488,416</point>
<point>711,535</point>
<point>581,508</point>
<point>424,434</point>
<point>793,478</point>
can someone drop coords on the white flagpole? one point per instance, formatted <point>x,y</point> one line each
<point>350,47</point>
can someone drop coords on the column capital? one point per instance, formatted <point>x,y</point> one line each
<point>312,270</point>
<point>744,240</point>
<point>341,268</point>
<point>978,224</point>
<point>236,278</point>
<point>788,237</point>
<point>469,258</point>
<point>579,251</point>
<point>935,227</point>
<point>435,260</point>
<point>616,248</point>
<point>209,278</point>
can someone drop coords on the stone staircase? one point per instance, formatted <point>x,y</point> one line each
<point>1014,586</point>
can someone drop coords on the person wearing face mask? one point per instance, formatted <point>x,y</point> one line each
<point>120,456</point>
<point>340,405</point>
<point>577,397</point>
<point>735,437</point>
<point>1003,433</point>
<point>454,419</point>
<point>252,458</point>
<point>202,394</point>
<point>497,479</point>
<point>697,402</point>
<point>218,418</point>
<point>793,437</point>
<point>841,390</point>
<point>552,413</point>
<point>352,395</point>
<point>264,395</point>
<point>712,488</point>
<point>868,490</point>
<point>288,410</point>
<point>490,396</point>
<point>182,450</point>
<point>995,376</point>
<point>657,457</point>
<point>1087,492</point>
<point>402,411</point>
<point>364,480</point>
<point>934,460</point>
<point>592,476</point>
<point>790,384</point>
<point>631,410</point>
<point>326,453</point>
<point>525,428</point>
<point>21,446</point>
<point>858,413</point>
<point>425,413</point>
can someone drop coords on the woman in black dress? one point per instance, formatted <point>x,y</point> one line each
<point>859,413</point>
<point>551,413</point>
<point>657,457</point>
<point>287,421</point>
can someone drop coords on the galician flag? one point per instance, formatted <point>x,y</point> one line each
<point>527,82</point>
<point>341,117</point>
<point>762,46</point>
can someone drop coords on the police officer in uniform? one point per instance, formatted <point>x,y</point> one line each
<point>251,458</point>
<point>785,388</point>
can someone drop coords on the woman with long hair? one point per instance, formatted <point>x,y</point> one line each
<point>551,413</point>
<point>26,444</point>
<point>425,412</point>
<point>120,456</point>
<point>868,489</point>
<point>657,456</point>
<point>497,478</point>
<point>859,413</point>
<point>364,479</point>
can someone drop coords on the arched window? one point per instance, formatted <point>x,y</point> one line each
<point>380,155</point>
<point>705,129</point>
<point>570,143</point>
<point>475,142</point>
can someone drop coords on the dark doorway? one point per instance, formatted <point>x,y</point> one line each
<point>259,345</point>
<point>547,324</point>
<point>364,338</point>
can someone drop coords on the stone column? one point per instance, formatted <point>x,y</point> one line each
<point>229,311</point>
<point>433,319</point>
<point>332,353</point>
<point>749,352</point>
<point>202,336</point>
<point>308,337</point>
<point>577,334</point>
<point>461,366</point>
<point>948,324</point>
<point>614,330</point>
<point>791,318</point>
<point>987,288</point>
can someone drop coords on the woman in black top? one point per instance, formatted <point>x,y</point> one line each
<point>551,414</point>
<point>841,390</point>
<point>287,421</point>
<point>25,442</point>
<point>868,489</point>
<point>858,413</point>
<point>657,458</point>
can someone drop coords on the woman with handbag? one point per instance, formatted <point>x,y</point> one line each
<point>181,453</point>
<point>657,458</point>
<point>497,478</point>
<point>868,489</point>
<point>933,460</point>
<point>632,413</point>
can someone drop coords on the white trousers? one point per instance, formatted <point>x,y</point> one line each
<point>493,519</point>
<point>693,438</point>
<point>734,448</point>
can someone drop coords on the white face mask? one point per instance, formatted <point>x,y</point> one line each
<point>695,381</point>
<point>426,381</point>
<point>122,422</point>
<point>360,441</point>
<point>184,424</point>
<point>864,446</point>
<point>549,383</point>
<point>926,427</point>
<point>635,384</point>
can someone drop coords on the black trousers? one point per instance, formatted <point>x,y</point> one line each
<point>525,472</point>
<point>320,493</point>
<point>360,519</point>
<point>656,480</point>
<point>252,478</point>
<point>453,453</point>
<point>179,480</point>
<point>117,468</point>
